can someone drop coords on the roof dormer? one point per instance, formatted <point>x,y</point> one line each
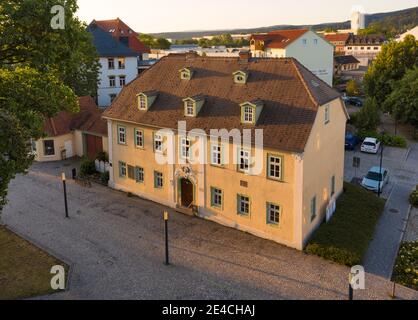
<point>186,73</point>
<point>240,77</point>
<point>251,111</point>
<point>146,99</point>
<point>193,105</point>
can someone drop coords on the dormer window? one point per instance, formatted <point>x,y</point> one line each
<point>251,111</point>
<point>192,105</point>
<point>146,99</point>
<point>186,74</point>
<point>240,77</point>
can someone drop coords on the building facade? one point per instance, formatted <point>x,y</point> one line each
<point>306,46</point>
<point>364,48</point>
<point>183,100</point>
<point>345,63</point>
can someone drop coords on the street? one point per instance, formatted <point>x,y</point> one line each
<point>115,247</point>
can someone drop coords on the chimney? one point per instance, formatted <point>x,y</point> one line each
<point>244,56</point>
<point>191,55</point>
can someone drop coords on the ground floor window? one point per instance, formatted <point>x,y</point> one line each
<point>122,169</point>
<point>216,198</point>
<point>273,214</point>
<point>243,205</point>
<point>139,174</point>
<point>158,180</point>
<point>49,148</point>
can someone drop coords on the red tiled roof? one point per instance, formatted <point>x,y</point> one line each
<point>280,39</point>
<point>119,29</point>
<point>89,119</point>
<point>337,37</point>
<point>290,93</point>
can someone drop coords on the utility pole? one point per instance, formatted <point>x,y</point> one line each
<point>379,191</point>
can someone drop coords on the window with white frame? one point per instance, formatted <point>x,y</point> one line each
<point>158,180</point>
<point>122,80</point>
<point>189,108</point>
<point>121,135</point>
<point>248,114</point>
<point>139,138</point>
<point>275,164</point>
<point>273,214</point>
<point>327,114</point>
<point>122,169</point>
<point>244,160</point>
<point>185,148</point>
<point>142,102</point>
<point>112,81</point>
<point>158,143</point>
<point>139,174</point>
<point>216,198</point>
<point>243,205</point>
<point>216,156</point>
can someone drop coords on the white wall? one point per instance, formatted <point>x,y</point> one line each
<point>317,57</point>
<point>104,90</point>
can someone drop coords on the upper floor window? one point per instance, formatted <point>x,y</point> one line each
<point>112,81</point>
<point>189,108</point>
<point>315,41</point>
<point>158,143</point>
<point>216,156</point>
<point>244,160</point>
<point>185,148</point>
<point>111,63</point>
<point>273,214</point>
<point>122,80</point>
<point>121,135</point>
<point>121,63</point>
<point>275,164</point>
<point>248,115</point>
<point>304,41</point>
<point>112,97</point>
<point>327,114</point>
<point>139,138</point>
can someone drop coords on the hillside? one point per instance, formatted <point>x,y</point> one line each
<point>401,20</point>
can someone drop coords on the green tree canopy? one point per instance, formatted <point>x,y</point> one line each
<point>154,43</point>
<point>390,66</point>
<point>402,103</point>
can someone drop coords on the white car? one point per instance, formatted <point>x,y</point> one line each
<point>370,145</point>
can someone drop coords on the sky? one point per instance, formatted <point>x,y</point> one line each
<point>147,16</point>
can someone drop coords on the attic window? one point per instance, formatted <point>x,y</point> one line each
<point>251,111</point>
<point>240,77</point>
<point>192,105</point>
<point>186,74</point>
<point>146,99</point>
<point>142,102</point>
<point>248,115</point>
<point>189,108</point>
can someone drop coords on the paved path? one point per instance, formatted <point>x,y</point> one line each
<point>382,252</point>
<point>115,247</point>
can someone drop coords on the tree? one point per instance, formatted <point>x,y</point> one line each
<point>41,71</point>
<point>352,88</point>
<point>390,66</point>
<point>368,118</point>
<point>154,43</point>
<point>402,102</point>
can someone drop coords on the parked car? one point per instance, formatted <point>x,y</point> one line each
<point>357,102</point>
<point>371,145</point>
<point>373,177</point>
<point>351,141</point>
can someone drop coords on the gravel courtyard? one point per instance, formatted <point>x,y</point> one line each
<point>115,247</point>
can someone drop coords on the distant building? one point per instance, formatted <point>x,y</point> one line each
<point>306,46</point>
<point>122,57</point>
<point>358,21</point>
<point>338,40</point>
<point>364,48</point>
<point>68,135</point>
<point>413,32</point>
<point>345,63</point>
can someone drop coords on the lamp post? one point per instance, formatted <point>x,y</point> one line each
<point>65,194</point>
<point>167,261</point>
<point>379,191</point>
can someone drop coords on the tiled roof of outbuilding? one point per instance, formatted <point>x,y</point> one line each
<point>290,93</point>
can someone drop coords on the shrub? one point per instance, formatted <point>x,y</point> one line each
<point>406,267</point>
<point>87,168</point>
<point>414,198</point>
<point>368,118</point>
<point>387,139</point>
<point>102,156</point>
<point>346,237</point>
<point>104,177</point>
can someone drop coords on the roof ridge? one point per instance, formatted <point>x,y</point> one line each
<point>304,82</point>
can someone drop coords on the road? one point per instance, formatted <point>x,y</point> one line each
<point>114,245</point>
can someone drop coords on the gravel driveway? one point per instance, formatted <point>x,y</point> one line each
<point>115,247</point>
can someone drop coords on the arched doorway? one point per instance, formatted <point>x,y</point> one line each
<point>186,193</point>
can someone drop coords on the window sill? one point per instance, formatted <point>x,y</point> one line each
<point>276,179</point>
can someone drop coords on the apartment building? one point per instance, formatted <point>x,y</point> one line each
<point>310,49</point>
<point>175,110</point>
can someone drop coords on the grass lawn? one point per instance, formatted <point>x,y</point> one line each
<point>346,237</point>
<point>24,268</point>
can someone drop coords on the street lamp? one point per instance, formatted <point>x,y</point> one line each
<point>379,191</point>
<point>65,193</point>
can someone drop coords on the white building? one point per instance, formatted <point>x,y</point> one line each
<point>310,49</point>
<point>358,21</point>
<point>412,32</point>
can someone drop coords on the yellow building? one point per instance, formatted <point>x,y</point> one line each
<point>278,189</point>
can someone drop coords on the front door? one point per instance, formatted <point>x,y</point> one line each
<point>186,193</point>
<point>68,145</point>
<point>94,146</point>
